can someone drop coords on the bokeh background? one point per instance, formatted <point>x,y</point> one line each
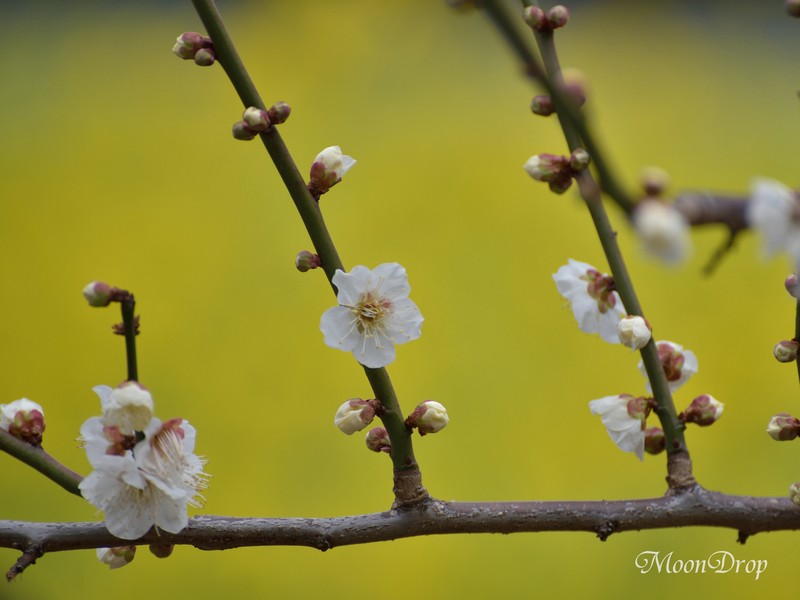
<point>117,164</point>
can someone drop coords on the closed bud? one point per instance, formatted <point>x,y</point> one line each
<point>97,293</point>
<point>116,557</point>
<point>560,185</point>
<point>654,181</point>
<point>654,440</point>
<point>328,168</point>
<point>579,159</point>
<point>24,419</point>
<point>634,332</point>
<point>378,440</point>
<point>161,550</point>
<point>279,112</point>
<point>354,415</point>
<point>256,119</point>
<point>792,284</point>
<point>242,131</point>
<point>428,417</point>
<point>704,410</point>
<point>542,105</point>
<point>783,427</point>
<point>786,351</point>
<point>575,85</point>
<point>129,406</point>
<point>534,17</point>
<point>187,44</point>
<point>306,261</point>
<point>558,16</point>
<point>205,57</point>
<point>547,167</point>
<point>794,493</point>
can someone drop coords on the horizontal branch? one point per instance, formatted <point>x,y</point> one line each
<point>696,507</point>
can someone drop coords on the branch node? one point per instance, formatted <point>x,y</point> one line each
<point>605,530</point>
<point>28,558</point>
<point>742,537</point>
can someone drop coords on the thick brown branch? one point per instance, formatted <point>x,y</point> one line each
<point>694,507</point>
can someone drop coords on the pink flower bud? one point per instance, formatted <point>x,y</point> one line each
<point>378,440</point>
<point>306,261</point>
<point>783,427</point>
<point>242,131</point>
<point>654,440</point>
<point>547,167</point>
<point>279,112</point>
<point>205,57</point>
<point>558,16</point>
<point>534,17</point>
<point>542,105</point>
<point>189,43</point>
<point>786,351</point>
<point>256,119</point>
<point>704,410</point>
<point>24,419</point>
<point>97,293</point>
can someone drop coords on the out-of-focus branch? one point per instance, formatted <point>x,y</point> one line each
<point>40,460</point>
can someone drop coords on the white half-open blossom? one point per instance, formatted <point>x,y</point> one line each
<point>373,315</point>
<point>128,406</point>
<point>8,412</point>
<point>149,483</point>
<point>334,161</point>
<point>595,304</point>
<point>663,231</point>
<point>770,211</point>
<point>679,364</point>
<point>626,430</point>
<point>354,415</point>
<point>634,332</point>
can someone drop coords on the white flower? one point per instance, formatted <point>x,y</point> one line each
<point>663,231</point>
<point>679,364</point>
<point>8,412</point>
<point>634,332</point>
<point>373,315</point>
<point>596,306</point>
<point>152,484</point>
<point>24,419</point>
<point>432,418</point>
<point>354,415</point>
<point>116,557</point>
<point>770,212</point>
<point>129,406</point>
<point>334,161</point>
<point>626,430</point>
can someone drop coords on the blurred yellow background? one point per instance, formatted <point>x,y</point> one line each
<point>118,164</point>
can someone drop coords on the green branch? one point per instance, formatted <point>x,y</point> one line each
<point>40,460</point>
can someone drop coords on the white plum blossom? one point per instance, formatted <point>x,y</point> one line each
<point>770,211</point>
<point>354,415</point>
<point>373,315</point>
<point>663,231</point>
<point>595,304</point>
<point>328,168</point>
<point>634,332</point>
<point>129,406</point>
<point>679,364</point>
<point>624,419</point>
<point>145,483</point>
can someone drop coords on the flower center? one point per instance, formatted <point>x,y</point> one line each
<point>601,288</point>
<point>369,311</point>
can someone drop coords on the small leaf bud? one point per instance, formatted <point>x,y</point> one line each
<point>279,112</point>
<point>97,293</point>
<point>378,440</point>
<point>579,159</point>
<point>783,427</point>
<point>542,105</point>
<point>704,410</point>
<point>786,351</point>
<point>306,261</point>
<point>654,440</point>
<point>534,17</point>
<point>792,284</point>
<point>558,16</point>
<point>242,131</point>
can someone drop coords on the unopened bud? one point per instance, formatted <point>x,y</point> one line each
<point>161,550</point>
<point>558,16</point>
<point>634,332</point>
<point>542,105</point>
<point>654,181</point>
<point>116,557</point>
<point>579,159</point>
<point>24,419</point>
<point>242,131</point>
<point>783,427</point>
<point>704,410</point>
<point>354,415</point>
<point>129,406</point>
<point>328,168</point>
<point>279,112</point>
<point>654,440</point>
<point>256,119</point>
<point>793,7</point>
<point>428,417</point>
<point>786,351</point>
<point>187,44</point>
<point>547,167</point>
<point>205,57</point>
<point>97,293</point>
<point>575,85</point>
<point>561,185</point>
<point>378,440</point>
<point>792,284</point>
<point>306,261</point>
<point>534,17</point>
<point>794,493</point>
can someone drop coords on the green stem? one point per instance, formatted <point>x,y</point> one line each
<point>227,56</point>
<point>128,306</point>
<point>565,107</point>
<point>41,461</point>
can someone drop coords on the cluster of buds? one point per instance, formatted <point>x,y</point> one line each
<point>24,419</point>
<point>539,20</point>
<point>257,120</point>
<point>197,47</point>
<point>555,170</point>
<point>428,417</point>
<point>704,410</point>
<point>634,332</point>
<point>327,170</point>
<point>305,261</point>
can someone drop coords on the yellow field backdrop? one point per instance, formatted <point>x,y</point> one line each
<point>118,164</point>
